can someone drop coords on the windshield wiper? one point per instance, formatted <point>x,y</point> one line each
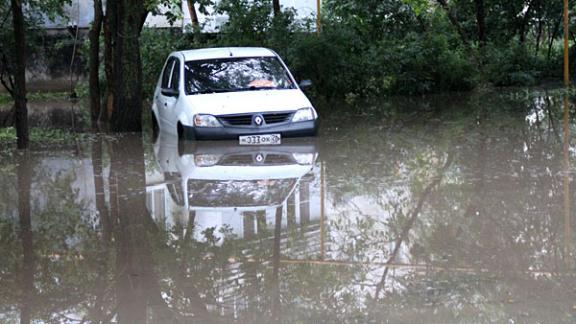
<point>253,88</point>
<point>211,90</point>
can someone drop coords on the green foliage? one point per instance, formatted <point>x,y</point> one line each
<point>252,24</point>
<point>5,99</point>
<point>332,60</point>
<point>373,18</point>
<point>419,6</point>
<point>40,135</point>
<point>414,50</point>
<point>429,63</point>
<point>34,96</point>
<point>513,65</point>
<point>7,134</point>
<point>340,64</point>
<point>248,21</point>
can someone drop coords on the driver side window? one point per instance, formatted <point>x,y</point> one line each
<point>175,80</point>
<point>167,72</point>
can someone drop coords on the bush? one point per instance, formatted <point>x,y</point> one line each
<point>340,64</point>
<point>333,61</point>
<point>429,63</point>
<point>512,65</point>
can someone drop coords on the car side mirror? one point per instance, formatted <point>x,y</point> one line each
<point>305,84</point>
<point>170,92</point>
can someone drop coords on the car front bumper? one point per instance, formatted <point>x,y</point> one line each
<point>298,129</point>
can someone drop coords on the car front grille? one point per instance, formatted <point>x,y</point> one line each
<point>237,120</point>
<point>246,119</point>
<point>279,159</point>
<point>237,159</point>
<point>251,159</point>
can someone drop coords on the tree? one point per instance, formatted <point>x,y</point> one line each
<point>276,7</point>
<point>126,23</point>
<point>19,90</point>
<point>481,21</point>
<point>123,25</point>
<point>193,14</point>
<point>14,51</point>
<point>94,61</point>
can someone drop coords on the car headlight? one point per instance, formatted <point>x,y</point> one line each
<point>206,160</point>
<point>206,121</point>
<point>304,114</point>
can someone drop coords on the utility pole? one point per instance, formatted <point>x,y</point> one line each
<point>566,49</point>
<point>318,17</point>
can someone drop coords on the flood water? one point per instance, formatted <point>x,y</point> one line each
<point>447,209</point>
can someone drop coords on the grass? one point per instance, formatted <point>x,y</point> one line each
<point>40,135</point>
<point>5,98</point>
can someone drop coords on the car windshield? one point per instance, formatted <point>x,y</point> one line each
<point>235,74</point>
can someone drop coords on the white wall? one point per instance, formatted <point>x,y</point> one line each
<point>81,12</point>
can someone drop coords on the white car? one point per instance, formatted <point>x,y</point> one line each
<point>241,93</point>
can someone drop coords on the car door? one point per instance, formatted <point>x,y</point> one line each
<point>168,95</point>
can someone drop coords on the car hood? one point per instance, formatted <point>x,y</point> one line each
<point>248,101</point>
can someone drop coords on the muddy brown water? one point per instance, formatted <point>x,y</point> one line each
<point>447,209</point>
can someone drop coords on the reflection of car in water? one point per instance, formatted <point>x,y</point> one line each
<point>220,183</point>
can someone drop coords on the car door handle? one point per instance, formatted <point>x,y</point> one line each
<point>165,105</point>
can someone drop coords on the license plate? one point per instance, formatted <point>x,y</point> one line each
<point>268,139</point>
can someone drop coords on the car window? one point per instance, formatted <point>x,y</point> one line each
<point>166,73</point>
<point>235,74</point>
<point>175,80</point>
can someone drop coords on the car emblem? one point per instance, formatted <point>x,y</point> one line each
<point>259,158</point>
<point>258,120</point>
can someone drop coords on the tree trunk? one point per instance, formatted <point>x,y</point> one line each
<point>127,66</point>
<point>553,36</point>
<point>481,21</point>
<point>276,7</point>
<point>109,25</point>
<point>193,14</point>
<point>539,35</point>
<point>21,110</point>
<point>94,80</point>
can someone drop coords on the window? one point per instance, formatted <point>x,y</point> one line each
<point>175,80</point>
<point>167,72</point>
<point>235,74</point>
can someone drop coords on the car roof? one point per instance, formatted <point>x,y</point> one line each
<point>223,52</point>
